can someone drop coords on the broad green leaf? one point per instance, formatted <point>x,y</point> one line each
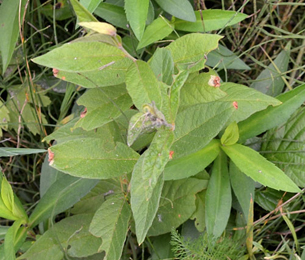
<point>9,29</point>
<point>136,12</point>
<point>109,76</point>
<point>162,65</point>
<point>231,135</point>
<point>3,231</point>
<point>90,5</point>
<point>10,151</point>
<point>179,8</point>
<point>10,239</point>
<point>197,90</point>
<point>157,30</point>
<point>223,58</point>
<point>104,190</point>
<point>270,80</point>
<point>112,14</point>
<point>4,117</point>
<point>142,85</point>
<point>285,146</point>
<point>83,15</point>
<point>258,168</point>
<point>103,105</point>
<point>248,100</point>
<point>147,182</point>
<point>93,158</point>
<point>99,27</point>
<point>191,164</point>
<point>177,204</point>
<point>272,116</point>
<point>209,20</point>
<point>81,57</point>
<point>110,222</point>
<point>189,52</point>
<point>243,188</point>
<point>162,248</point>
<point>197,125</point>
<point>218,198</point>
<point>97,37</point>
<point>70,235</point>
<point>62,194</point>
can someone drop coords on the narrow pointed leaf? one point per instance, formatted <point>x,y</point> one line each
<point>191,164</point>
<point>83,15</point>
<point>147,182</point>
<point>210,20</point>
<point>9,151</point>
<point>259,169</point>
<point>218,197</point>
<point>179,8</point>
<point>136,12</point>
<point>110,222</point>
<point>157,30</point>
<point>272,116</point>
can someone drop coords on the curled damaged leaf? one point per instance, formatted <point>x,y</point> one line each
<point>55,72</point>
<point>82,114</point>
<point>51,157</point>
<point>103,28</point>
<point>214,81</point>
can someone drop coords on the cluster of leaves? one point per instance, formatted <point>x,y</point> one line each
<point>136,156</point>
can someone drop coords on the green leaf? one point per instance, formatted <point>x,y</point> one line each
<point>10,151</point>
<point>7,194</point>
<point>90,5</point>
<point>83,15</point>
<point>197,90</point>
<point>142,85</point>
<point>243,188</point>
<point>218,197</point>
<point>70,235</point>
<point>147,182</point>
<point>81,56</point>
<point>199,214</point>
<point>9,29</point>
<point>136,12</point>
<point>99,27</point>
<point>177,204</point>
<point>270,80</point>
<point>272,116</point>
<point>61,195</point>
<point>268,198</point>
<point>93,158</point>
<point>248,100</point>
<point>3,231</point>
<point>110,222</point>
<point>230,135</point>
<point>104,190</point>
<point>191,164</point>
<point>223,58</point>
<point>157,30</point>
<point>258,168</point>
<point>162,65</point>
<point>162,248</point>
<point>197,125</point>
<point>179,8</point>
<point>10,239</point>
<point>285,146</point>
<point>5,118</point>
<point>103,105</point>
<point>209,20</point>
<point>112,14</point>
<point>189,52</point>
